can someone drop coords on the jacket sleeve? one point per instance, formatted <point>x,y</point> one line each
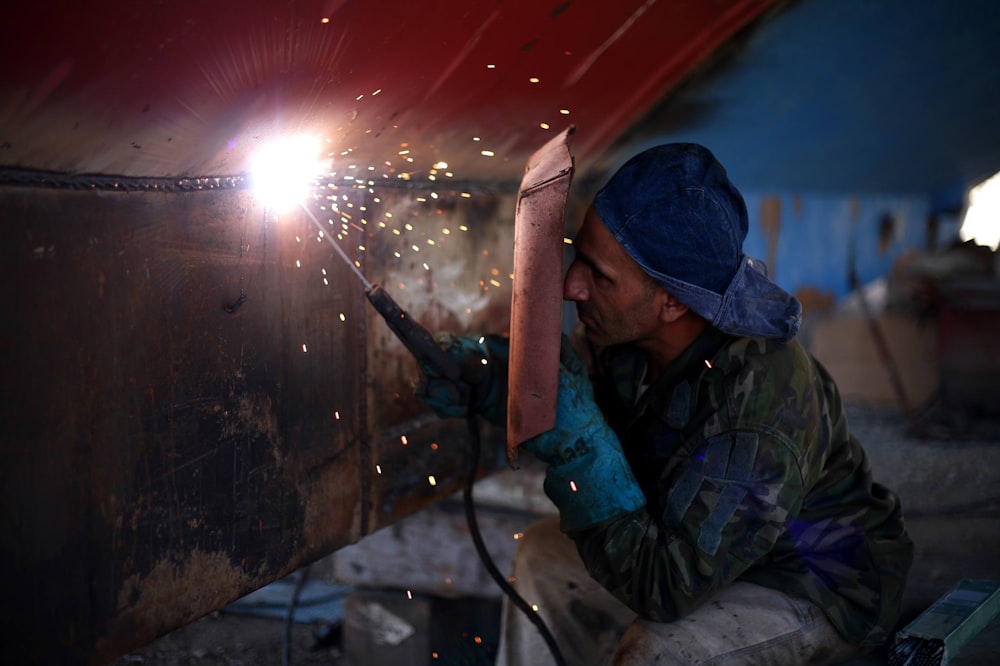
<point>722,511</point>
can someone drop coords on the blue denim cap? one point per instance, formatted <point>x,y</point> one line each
<point>675,212</point>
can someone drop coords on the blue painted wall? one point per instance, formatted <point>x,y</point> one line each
<point>817,232</point>
<point>837,106</point>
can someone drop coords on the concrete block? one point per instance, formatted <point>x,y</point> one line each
<point>387,627</point>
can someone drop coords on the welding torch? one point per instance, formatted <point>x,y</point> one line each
<point>414,337</point>
<point>430,355</point>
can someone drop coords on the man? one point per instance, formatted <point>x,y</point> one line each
<point>713,506</point>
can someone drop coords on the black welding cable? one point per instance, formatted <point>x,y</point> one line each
<point>286,644</point>
<point>484,555</point>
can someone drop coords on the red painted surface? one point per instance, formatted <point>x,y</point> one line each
<point>191,88</point>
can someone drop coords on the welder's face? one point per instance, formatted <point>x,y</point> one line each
<point>614,298</point>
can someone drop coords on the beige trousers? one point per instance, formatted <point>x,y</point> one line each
<point>742,624</point>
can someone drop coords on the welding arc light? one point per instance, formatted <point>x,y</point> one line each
<point>283,171</point>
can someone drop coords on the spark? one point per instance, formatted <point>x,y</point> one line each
<point>565,112</point>
<point>403,439</point>
<point>431,480</point>
<point>534,607</point>
<point>487,153</point>
<point>708,363</point>
<point>518,535</point>
<point>568,241</point>
<point>304,350</point>
<point>336,415</point>
<point>572,486</point>
<point>544,126</point>
<point>378,468</point>
<point>409,594</point>
<point>342,317</point>
<point>534,79</point>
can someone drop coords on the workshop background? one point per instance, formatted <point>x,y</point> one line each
<point>203,421</point>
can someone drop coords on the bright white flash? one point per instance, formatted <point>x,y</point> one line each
<point>284,169</point>
<point>982,219</point>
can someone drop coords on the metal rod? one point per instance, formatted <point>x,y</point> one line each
<point>340,250</point>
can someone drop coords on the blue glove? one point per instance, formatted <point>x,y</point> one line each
<point>588,477</point>
<point>483,383</point>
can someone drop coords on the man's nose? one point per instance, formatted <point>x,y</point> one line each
<point>575,284</point>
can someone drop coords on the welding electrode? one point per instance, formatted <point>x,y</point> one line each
<point>414,337</point>
<point>425,348</point>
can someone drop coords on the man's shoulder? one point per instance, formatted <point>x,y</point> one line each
<point>758,380</point>
<point>777,360</point>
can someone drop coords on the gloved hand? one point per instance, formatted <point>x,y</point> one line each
<point>483,385</point>
<point>588,477</point>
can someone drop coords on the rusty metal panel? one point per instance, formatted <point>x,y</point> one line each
<point>197,401</point>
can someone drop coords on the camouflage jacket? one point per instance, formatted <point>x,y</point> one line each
<point>743,452</point>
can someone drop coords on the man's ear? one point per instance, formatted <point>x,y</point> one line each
<point>671,309</point>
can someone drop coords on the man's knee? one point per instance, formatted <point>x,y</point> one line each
<point>644,644</point>
<point>541,539</point>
